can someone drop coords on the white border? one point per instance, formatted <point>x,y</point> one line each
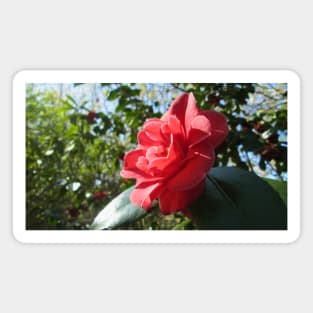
<point>156,76</point>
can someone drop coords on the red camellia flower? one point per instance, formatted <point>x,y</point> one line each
<point>173,155</point>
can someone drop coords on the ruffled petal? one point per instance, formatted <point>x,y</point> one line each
<point>184,108</point>
<point>130,169</point>
<point>155,151</point>
<point>162,163</point>
<point>164,159</point>
<point>179,140</point>
<point>191,111</point>
<point>152,128</point>
<point>177,108</point>
<point>166,132</point>
<point>219,128</point>
<point>171,202</point>
<point>144,194</point>
<point>143,140</point>
<point>200,129</point>
<point>199,160</point>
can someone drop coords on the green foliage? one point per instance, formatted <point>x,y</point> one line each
<point>130,112</point>
<point>69,159</point>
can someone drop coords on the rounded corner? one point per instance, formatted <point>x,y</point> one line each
<point>18,237</point>
<point>18,75</point>
<point>294,75</point>
<point>295,237</point>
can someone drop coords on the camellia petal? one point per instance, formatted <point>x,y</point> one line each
<point>144,140</point>
<point>130,170</point>
<point>173,201</point>
<point>131,158</point>
<point>180,100</point>
<point>199,160</point>
<point>179,140</point>
<point>184,108</point>
<point>162,163</point>
<point>152,129</point>
<point>144,194</point>
<point>166,132</point>
<point>191,111</point>
<point>219,128</point>
<point>177,108</point>
<point>200,129</point>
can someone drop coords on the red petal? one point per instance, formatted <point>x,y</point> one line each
<point>130,169</point>
<point>166,132</point>
<point>162,162</point>
<point>179,141</point>
<point>132,157</point>
<point>155,152</point>
<point>153,119</point>
<point>153,134</point>
<point>175,151</point>
<point>152,128</point>
<point>144,194</point>
<point>143,140</point>
<point>191,111</point>
<point>141,178</point>
<point>175,126</point>
<point>200,129</point>
<point>219,128</point>
<point>200,159</point>
<point>184,108</point>
<point>171,202</point>
<point>142,163</point>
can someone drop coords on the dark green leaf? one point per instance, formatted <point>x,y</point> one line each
<point>114,94</point>
<point>238,199</point>
<point>118,212</point>
<point>280,187</point>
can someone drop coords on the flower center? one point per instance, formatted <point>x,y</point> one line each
<point>156,152</point>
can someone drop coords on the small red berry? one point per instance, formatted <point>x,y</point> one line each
<point>91,116</point>
<point>273,138</point>
<point>271,153</point>
<point>245,126</point>
<point>72,212</point>
<point>121,156</point>
<point>259,127</point>
<point>100,194</point>
<point>214,100</point>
